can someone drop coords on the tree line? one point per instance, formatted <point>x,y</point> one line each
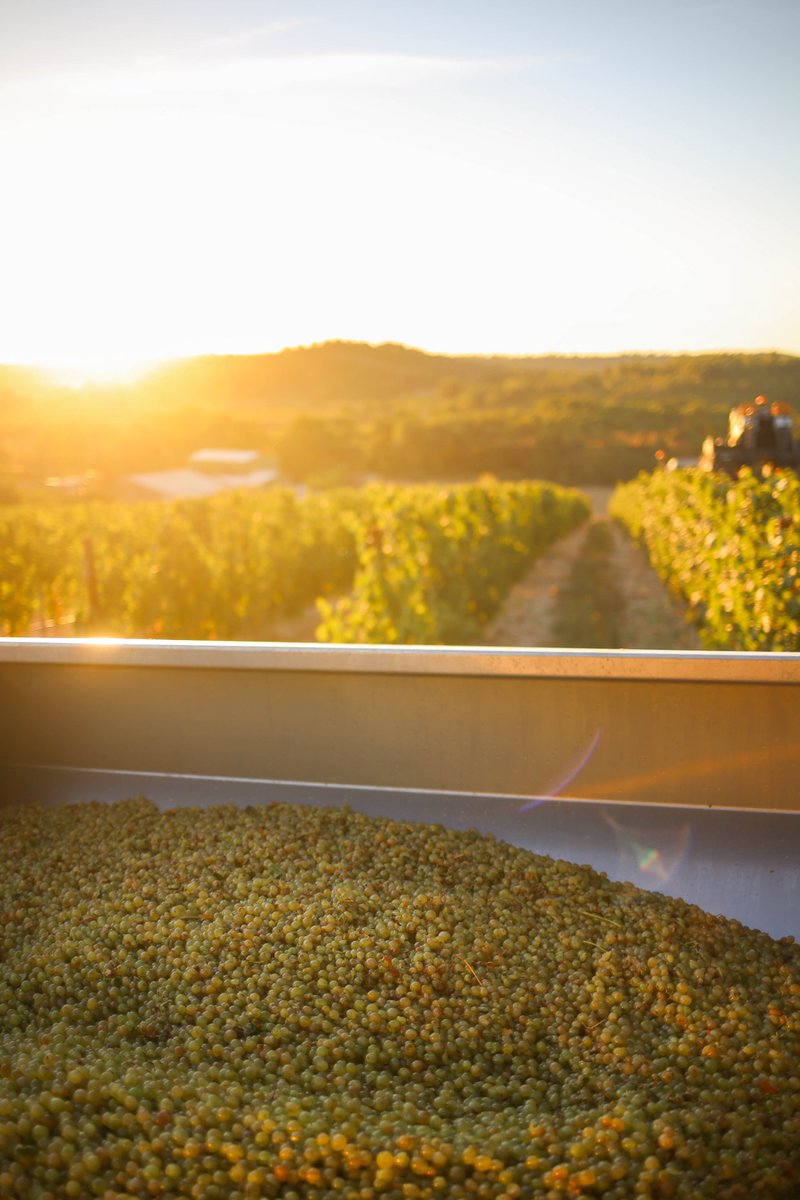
<point>333,413</point>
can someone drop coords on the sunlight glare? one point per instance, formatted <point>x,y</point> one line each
<point>102,370</point>
<point>172,237</point>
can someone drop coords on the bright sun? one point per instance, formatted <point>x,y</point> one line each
<point>98,371</point>
<point>239,206</point>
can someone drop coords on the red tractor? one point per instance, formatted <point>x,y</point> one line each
<point>759,435</point>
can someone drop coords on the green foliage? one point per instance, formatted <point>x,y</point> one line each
<point>572,420</point>
<point>338,410</point>
<point>430,564</point>
<point>218,568</point>
<point>435,563</point>
<point>319,449</point>
<point>729,549</point>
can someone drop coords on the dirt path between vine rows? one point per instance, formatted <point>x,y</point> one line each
<point>652,620</point>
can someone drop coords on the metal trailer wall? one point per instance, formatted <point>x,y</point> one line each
<point>677,770</point>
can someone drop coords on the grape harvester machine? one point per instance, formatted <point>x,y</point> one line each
<point>759,435</point>
<point>679,771</point>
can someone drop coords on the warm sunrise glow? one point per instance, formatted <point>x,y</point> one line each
<point>234,187</point>
<point>110,370</point>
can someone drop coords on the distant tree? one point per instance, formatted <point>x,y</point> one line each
<point>312,447</point>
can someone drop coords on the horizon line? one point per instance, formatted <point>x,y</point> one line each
<point>145,364</point>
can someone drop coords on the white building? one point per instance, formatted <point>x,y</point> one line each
<point>228,458</point>
<point>194,483</point>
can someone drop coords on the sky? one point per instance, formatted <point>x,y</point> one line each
<point>510,176</point>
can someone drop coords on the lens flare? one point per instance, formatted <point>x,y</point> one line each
<point>535,801</point>
<point>654,862</point>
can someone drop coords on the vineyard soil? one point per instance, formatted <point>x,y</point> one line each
<point>652,620</point>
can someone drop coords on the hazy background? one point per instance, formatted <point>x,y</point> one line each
<point>515,177</point>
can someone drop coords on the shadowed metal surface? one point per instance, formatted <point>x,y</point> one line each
<point>676,771</point>
<point>679,728</point>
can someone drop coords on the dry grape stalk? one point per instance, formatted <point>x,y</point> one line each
<point>304,1003</point>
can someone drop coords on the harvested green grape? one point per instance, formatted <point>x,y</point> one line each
<point>302,1003</point>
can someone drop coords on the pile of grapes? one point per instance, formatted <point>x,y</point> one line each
<point>308,1003</point>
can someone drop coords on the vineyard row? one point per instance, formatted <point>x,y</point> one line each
<point>384,564</point>
<point>729,549</point>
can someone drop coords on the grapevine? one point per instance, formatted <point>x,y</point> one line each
<point>434,564</point>
<point>730,549</point>
<point>425,564</point>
